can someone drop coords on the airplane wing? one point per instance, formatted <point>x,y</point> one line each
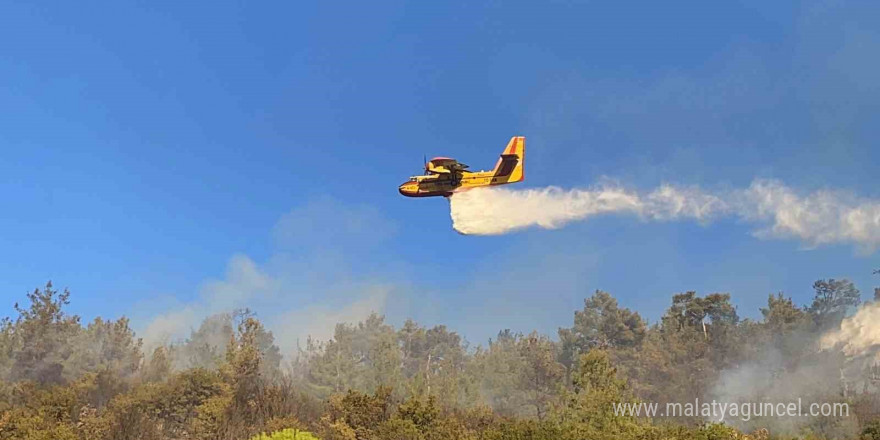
<point>444,165</point>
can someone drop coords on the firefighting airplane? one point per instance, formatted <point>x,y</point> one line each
<point>444,176</point>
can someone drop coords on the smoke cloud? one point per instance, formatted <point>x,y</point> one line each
<point>859,335</point>
<point>819,218</point>
<point>809,366</point>
<point>316,276</point>
<point>775,377</point>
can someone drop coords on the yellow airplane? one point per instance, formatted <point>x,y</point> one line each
<point>444,176</point>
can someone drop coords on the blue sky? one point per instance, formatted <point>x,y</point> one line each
<point>159,157</point>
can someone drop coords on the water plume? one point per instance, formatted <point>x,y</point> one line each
<point>817,218</point>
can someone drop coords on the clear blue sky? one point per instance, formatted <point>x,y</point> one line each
<point>145,145</point>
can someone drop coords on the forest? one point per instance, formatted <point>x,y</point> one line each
<point>62,378</point>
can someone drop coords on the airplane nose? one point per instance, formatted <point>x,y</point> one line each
<point>408,189</point>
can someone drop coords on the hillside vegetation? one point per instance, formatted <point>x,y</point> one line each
<point>64,379</point>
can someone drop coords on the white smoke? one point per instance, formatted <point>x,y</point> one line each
<point>315,278</point>
<point>318,322</point>
<point>822,217</point>
<point>813,372</point>
<point>858,335</point>
<point>244,282</point>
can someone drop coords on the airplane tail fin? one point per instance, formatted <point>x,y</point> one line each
<point>510,167</point>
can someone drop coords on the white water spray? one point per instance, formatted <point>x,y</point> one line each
<point>821,217</point>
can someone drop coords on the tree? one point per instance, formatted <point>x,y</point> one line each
<point>360,357</point>
<point>159,366</point>
<point>105,345</point>
<point>588,409</point>
<point>332,365</point>
<point>43,336</point>
<point>689,310</point>
<point>377,346</point>
<point>832,300</point>
<point>680,358</point>
<point>781,330</point>
<point>244,359</point>
<point>541,374</point>
<point>7,347</point>
<point>601,324</point>
<point>206,346</point>
<point>497,369</point>
<point>413,346</point>
<point>781,314</point>
<point>445,367</point>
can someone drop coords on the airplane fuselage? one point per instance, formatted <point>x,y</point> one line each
<point>444,176</point>
<point>446,185</point>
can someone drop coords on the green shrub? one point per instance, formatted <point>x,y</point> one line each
<point>286,434</point>
<point>871,431</point>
